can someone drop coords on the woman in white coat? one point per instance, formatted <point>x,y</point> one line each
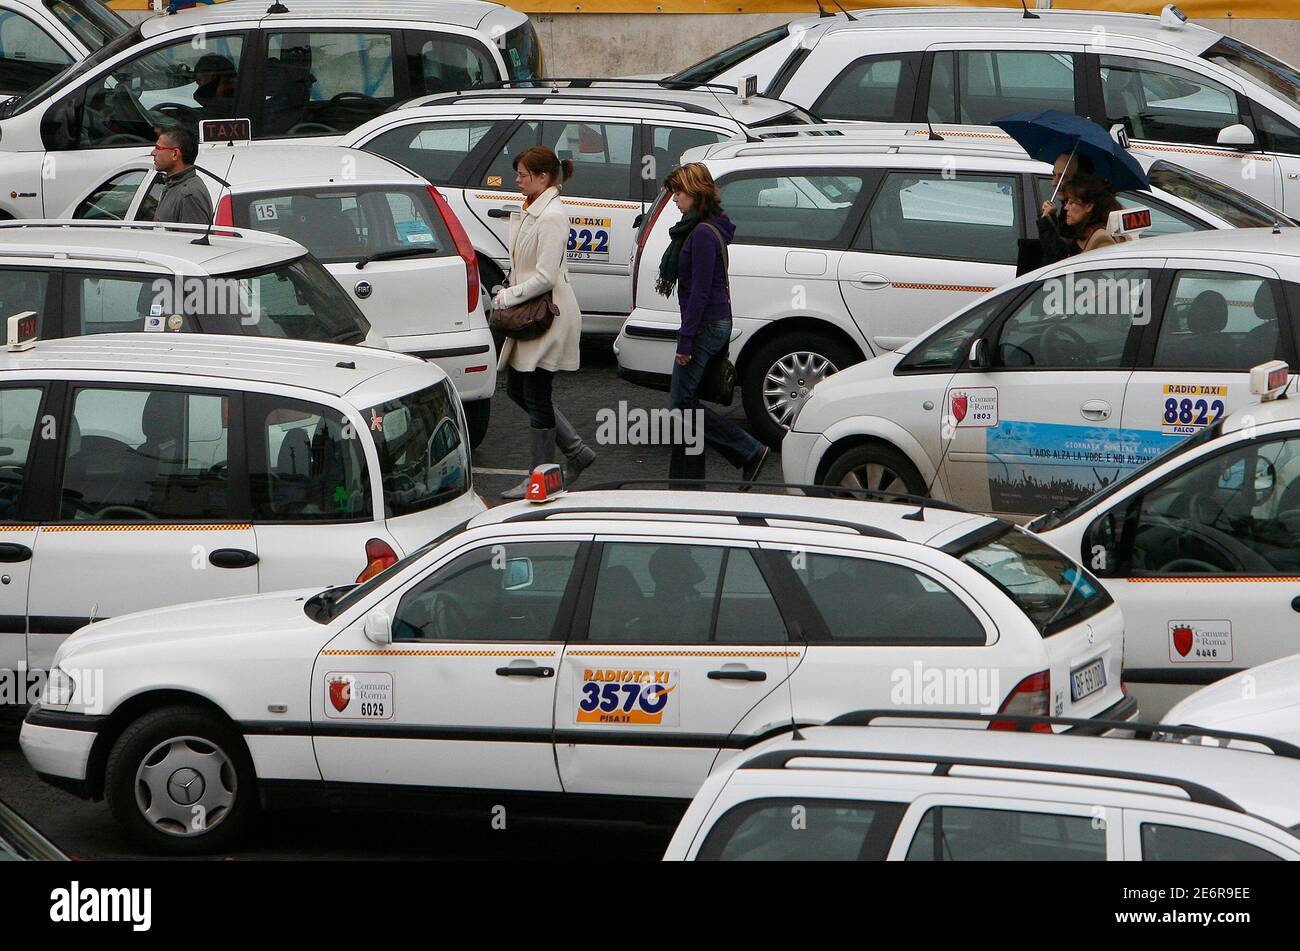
<point>538,240</point>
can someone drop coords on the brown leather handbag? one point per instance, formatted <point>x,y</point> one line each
<point>528,319</point>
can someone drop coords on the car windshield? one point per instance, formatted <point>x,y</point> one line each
<point>706,69</point>
<point>92,22</point>
<point>1237,208</point>
<point>1053,591</point>
<point>1257,65</point>
<point>423,452</point>
<point>522,52</point>
<point>298,300</point>
<point>54,83</point>
<point>1065,513</point>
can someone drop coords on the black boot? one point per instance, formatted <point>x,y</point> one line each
<point>577,454</point>
<point>543,448</point>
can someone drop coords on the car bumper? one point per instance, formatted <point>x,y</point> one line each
<point>648,340</point>
<point>1125,711</point>
<point>801,454</point>
<point>57,746</point>
<point>468,357</point>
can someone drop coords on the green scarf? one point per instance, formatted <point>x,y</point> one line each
<point>668,264</point>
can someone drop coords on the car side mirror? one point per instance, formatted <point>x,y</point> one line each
<point>1101,546</point>
<point>1265,480</point>
<point>379,627</point>
<point>636,222</point>
<point>978,357</point>
<point>518,574</point>
<point>1236,136</point>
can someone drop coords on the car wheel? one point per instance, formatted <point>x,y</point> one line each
<point>477,415</point>
<point>877,467</point>
<point>181,781</point>
<point>782,373</point>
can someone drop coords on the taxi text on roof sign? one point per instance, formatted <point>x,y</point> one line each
<point>22,330</point>
<point>1269,380</point>
<point>546,482</point>
<point>230,131</point>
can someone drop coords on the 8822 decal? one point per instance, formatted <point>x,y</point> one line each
<point>588,239</point>
<point>1189,407</point>
<point>618,695</point>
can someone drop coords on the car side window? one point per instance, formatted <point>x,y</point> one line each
<point>871,601</point>
<point>931,214</point>
<point>1166,103</point>
<point>601,153</point>
<point>813,210</point>
<point>993,84</point>
<point>499,593</point>
<point>176,84</point>
<point>947,347</point>
<point>960,834</point>
<point>149,203</point>
<point>1237,512</point>
<point>667,143</point>
<point>305,463</point>
<point>18,425</point>
<point>28,54</point>
<point>1076,321</point>
<point>444,63</point>
<point>805,829</point>
<point>1164,220</point>
<point>434,150</point>
<point>23,289</point>
<point>873,88</point>
<point>500,172</point>
<point>1276,134</point>
<point>142,455</point>
<point>1218,320</point>
<point>107,302</point>
<point>111,200</point>
<point>1171,843</point>
<point>326,83</point>
<point>649,593</point>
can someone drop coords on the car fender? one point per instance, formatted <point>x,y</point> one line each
<point>21,174</point>
<point>885,430</point>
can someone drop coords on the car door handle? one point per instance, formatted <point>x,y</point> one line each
<point>1295,603</point>
<point>871,282</point>
<point>233,558</point>
<point>738,675</point>
<point>525,671</point>
<point>12,552</point>
<point>1095,409</point>
<point>500,212</point>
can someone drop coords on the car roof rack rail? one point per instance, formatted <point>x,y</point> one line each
<point>543,512</point>
<point>814,491</point>
<point>225,231</point>
<point>587,82</point>
<point>543,97</point>
<point>1081,725</point>
<point>943,763</point>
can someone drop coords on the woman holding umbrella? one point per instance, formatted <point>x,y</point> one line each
<point>1089,202</point>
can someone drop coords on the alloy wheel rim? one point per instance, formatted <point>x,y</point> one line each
<point>788,383</point>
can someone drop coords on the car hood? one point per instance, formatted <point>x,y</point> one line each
<point>1264,699</point>
<point>224,617</point>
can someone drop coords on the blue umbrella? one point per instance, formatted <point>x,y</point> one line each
<point>1046,135</point>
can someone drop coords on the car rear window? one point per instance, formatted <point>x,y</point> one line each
<point>338,225</point>
<point>1053,591</point>
<point>423,450</point>
<point>299,300</point>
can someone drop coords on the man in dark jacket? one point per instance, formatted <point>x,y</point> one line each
<point>185,197</point>
<point>1052,232</point>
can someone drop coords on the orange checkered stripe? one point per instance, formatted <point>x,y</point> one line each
<point>1231,303</point>
<point>436,653</point>
<point>1288,579</point>
<point>682,654</point>
<point>1182,150</point>
<point>964,135</point>
<point>566,201</point>
<point>147,527</point>
<point>18,528</point>
<point>965,288</point>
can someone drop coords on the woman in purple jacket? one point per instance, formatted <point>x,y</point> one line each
<point>695,263</point>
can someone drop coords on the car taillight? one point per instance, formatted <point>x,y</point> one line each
<point>642,237</point>
<point>225,211</point>
<point>1030,698</point>
<point>463,247</point>
<point>379,555</point>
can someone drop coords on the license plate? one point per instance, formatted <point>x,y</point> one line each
<point>1087,680</point>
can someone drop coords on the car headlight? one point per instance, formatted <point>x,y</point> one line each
<point>59,689</point>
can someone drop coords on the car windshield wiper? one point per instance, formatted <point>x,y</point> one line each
<point>395,253</point>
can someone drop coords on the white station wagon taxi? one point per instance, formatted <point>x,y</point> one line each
<point>1063,381</point>
<point>139,470</point>
<point>608,644</point>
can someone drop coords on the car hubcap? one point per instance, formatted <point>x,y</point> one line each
<point>185,786</point>
<point>875,477</point>
<point>790,380</point>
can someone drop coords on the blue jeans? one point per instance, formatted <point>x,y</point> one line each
<point>736,446</point>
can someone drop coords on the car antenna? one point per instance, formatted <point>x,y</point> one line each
<point>797,630</point>
<point>749,135</point>
<point>1028,15</point>
<point>849,16</point>
<point>821,10</point>
<point>204,240</point>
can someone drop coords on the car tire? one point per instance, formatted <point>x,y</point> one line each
<point>478,413</point>
<point>783,357</point>
<point>875,466</point>
<point>205,750</point>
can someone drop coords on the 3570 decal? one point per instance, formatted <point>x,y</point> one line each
<point>617,695</point>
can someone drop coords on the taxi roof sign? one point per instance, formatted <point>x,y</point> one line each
<point>546,482</point>
<point>23,330</point>
<point>1128,221</point>
<point>1269,380</point>
<point>229,131</point>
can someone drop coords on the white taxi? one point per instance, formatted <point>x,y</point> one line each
<point>606,644</point>
<point>38,40</point>
<point>143,469</point>
<point>1260,701</point>
<point>1063,381</point>
<point>388,237</point>
<point>1201,548</point>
